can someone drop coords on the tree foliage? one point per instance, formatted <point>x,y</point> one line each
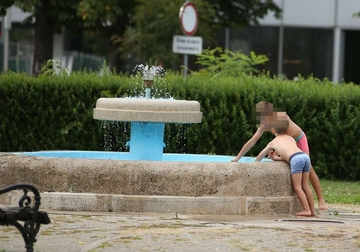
<point>242,13</point>
<point>4,5</point>
<point>157,22</point>
<point>49,17</point>
<point>107,18</point>
<point>229,63</point>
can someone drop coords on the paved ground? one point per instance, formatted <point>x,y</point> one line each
<point>335,230</point>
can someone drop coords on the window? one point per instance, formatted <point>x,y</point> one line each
<point>308,52</point>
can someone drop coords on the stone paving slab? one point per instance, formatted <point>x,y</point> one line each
<point>339,230</point>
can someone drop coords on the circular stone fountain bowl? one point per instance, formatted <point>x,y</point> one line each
<point>147,110</point>
<point>77,183</point>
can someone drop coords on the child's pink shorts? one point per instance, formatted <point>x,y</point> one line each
<point>302,142</point>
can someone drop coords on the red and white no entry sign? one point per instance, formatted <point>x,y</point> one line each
<point>188,18</point>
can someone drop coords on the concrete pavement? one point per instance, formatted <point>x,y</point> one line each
<point>337,229</point>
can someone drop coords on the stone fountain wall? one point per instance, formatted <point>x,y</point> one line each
<point>245,187</point>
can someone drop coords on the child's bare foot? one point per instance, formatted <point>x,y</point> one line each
<point>304,213</point>
<point>322,205</point>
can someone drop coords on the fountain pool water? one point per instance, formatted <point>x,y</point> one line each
<point>109,155</point>
<point>147,180</point>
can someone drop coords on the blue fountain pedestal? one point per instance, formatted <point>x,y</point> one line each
<point>147,141</point>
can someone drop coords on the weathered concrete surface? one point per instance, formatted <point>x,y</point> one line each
<point>151,186</point>
<point>266,179</point>
<point>113,232</point>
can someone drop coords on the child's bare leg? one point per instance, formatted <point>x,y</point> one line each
<point>297,185</point>
<point>308,192</point>
<point>315,182</point>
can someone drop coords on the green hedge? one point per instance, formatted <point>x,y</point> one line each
<point>55,113</point>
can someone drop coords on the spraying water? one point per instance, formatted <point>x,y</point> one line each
<point>148,76</point>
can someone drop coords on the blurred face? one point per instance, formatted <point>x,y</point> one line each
<point>280,117</point>
<point>264,109</point>
<point>275,120</point>
<point>267,121</point>
<point>264,113</point>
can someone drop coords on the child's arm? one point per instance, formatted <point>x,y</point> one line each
<point>249,144</point>
<point>264,152</point>
<point>274,156</point>
<point>278,158</point>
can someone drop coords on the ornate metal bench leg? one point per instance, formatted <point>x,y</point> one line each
<point>26,233</point>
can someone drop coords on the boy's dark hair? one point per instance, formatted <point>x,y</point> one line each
<point>281,126</point>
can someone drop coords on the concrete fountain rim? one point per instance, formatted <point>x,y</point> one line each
<point>147,110</point>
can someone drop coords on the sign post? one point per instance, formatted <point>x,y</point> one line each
<point>189,23</point>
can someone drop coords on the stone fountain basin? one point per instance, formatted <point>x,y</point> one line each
<point>154,186</point>
<point>147,110</point>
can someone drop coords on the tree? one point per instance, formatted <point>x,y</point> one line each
<point>107,18</point>
<point>4,5</point>
<point>104,18</point>
<point>156,22</point>
<point>49,17</point>
<point>242,13</point>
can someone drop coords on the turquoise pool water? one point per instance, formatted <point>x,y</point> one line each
<point>126,156</point>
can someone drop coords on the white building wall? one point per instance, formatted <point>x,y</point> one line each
<point>316,13</point>
<point>345,12</point>
<point>17,15</point>
<point>332,14</point>
<point>270,19</point>
<point>309,13</point>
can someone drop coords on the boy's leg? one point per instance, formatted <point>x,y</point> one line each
<point>315,182</point>
<point>308,192</point>
<point>296,180</point>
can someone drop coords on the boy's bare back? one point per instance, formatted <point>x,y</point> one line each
<point>284,145</point>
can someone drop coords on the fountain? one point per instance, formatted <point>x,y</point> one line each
<point>147,180</point>
<point>147,116</point>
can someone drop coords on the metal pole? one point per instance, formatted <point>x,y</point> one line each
<point>18,57</point>
<point>185,64</point>
<point>281,42</point>
<point>6,27</point>
<point>186,59</point>
<point>227,38</point>
<point>338,45</point>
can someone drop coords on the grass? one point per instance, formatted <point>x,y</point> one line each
<point>341,192</point>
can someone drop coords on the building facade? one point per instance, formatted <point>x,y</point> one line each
<point>17,40</point>
<point>314,37</point>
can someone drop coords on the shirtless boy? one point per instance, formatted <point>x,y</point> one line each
<point>285,146</point>
<point>268,119</point>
